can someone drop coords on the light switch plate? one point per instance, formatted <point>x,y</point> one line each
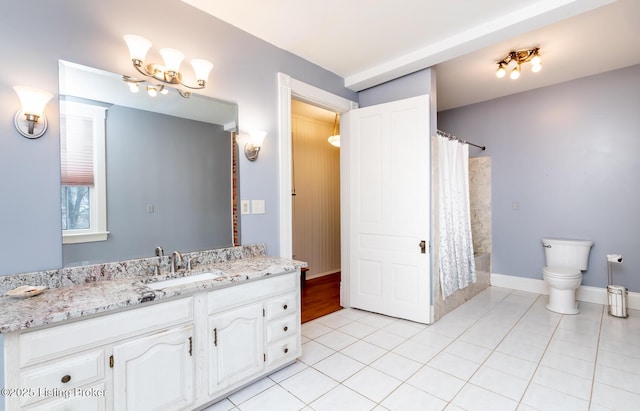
<point>257,206</point>
<point>245,207</point>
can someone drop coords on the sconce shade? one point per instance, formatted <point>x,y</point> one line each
<point>334,140</point>
<point>201,68</point>
<point>138,46</point>
<point>30,120</point>
<point>172,59</point>
<point>33,100</point>
<point>252,148</point>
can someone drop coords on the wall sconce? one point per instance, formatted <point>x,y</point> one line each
<point>253,146</point>
<point>30,120</point>
<point>515,58</point>
<point>169,72</point>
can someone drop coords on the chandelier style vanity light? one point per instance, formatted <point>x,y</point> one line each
<point>334,139</point>
<point>514,60</point>
<point>169,72</point>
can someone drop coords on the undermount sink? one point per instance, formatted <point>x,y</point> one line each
<point>182,280</point>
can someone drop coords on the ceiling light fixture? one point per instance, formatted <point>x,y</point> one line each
<point>514,60</point>
<point>169,72</point>
<point>334,139</point>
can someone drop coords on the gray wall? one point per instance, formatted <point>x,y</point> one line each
<point>37,33</point>
<point>181,167</point>
<point>568,154</point>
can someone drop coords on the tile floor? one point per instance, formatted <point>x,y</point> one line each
<point>502,350</point>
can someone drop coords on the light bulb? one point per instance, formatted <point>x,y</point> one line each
<point>152,91</point>
<point>133,87</point>
<point>536,60</point>
<point>501,71</point>
<point>536,67</point>
<point>515,73</point>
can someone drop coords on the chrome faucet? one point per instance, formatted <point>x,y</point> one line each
<point>176,258</point>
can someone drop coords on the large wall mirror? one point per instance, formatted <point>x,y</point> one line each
<point>160,168</point>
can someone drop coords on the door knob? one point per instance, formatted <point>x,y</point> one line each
<point>423,247</point>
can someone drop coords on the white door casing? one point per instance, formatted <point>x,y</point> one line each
<point>389,209</point>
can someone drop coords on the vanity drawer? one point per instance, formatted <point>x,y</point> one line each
<point>240,294</point>
<point>286,349</point>
<point>281,327</point>
<point>55,378</point>
<point>282,305</point>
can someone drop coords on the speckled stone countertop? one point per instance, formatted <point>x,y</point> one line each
<point>77,292</point>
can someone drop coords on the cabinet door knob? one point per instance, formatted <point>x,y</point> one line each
<point>284,307</point>
<point>286,350</point>
<point>286,328</point>
<point>66,379</point>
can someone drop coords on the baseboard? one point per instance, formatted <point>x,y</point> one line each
<point>538,286</point>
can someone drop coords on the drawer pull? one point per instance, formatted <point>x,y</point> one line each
<point>66,379</point>
<point>286,328</point>
<point>284,307</point>
<point>286,350</point>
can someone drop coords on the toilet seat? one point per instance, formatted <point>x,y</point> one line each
<point>561,272</point>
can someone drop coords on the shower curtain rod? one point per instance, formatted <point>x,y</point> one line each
<point>452,137</point>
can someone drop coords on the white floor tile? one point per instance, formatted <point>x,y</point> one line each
<point>364,352</point>
<point>396,366</point>
<point>416,351</point>
<point>618,378</point>
<point>407,397</point>
<point>336,340</point>
<point>244,394</point>
<point>309,385</point>
<point>275,398</point>
<point>312,352</point>
<point>372,383</point>
<point>339,366</point>
<point>472,398</point>
<point>570,365</point>
<point>342,398</point>
<point>436,382</point>
<point>314,329</point>
<point>511,365</point>
<point>384,339</point>
<point>357,329</point>
<point>456,366</point>
<point>614,398</point>
<point>288,371</point>
<point>500,382</point>
<point>468,351</point>
<point>544,398</point>
<point>561,381</point>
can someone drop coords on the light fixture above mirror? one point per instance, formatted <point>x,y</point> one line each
<point>334,138</point>
<point>169,72</point>
<point>515,58</point>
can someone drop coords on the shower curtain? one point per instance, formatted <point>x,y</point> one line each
<point>457,265</point>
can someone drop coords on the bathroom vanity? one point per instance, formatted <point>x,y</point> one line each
<point>119,344</point>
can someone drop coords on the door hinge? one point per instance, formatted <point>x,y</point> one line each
<point>263,313</point>
<point>111,361</point>
<point>215,337</point>
<point>264,357</point>
<point>190,346</point>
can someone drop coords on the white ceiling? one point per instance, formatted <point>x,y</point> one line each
<point>368,45</point>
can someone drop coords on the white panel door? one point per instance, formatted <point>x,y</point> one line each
<point>389,185</point>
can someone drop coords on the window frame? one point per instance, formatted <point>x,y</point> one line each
<point>98,193</point>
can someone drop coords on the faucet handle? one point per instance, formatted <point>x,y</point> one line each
<point>156,270</point>
<point>191,262</point>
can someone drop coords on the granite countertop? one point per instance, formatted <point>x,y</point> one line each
<point>79,300</point>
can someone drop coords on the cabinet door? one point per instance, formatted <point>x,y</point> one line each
<point>237,348</point>
<point>154,372</point>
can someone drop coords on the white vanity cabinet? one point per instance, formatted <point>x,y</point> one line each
<point>77,365</point>
<point>253,330</point>
<point>178,354</point>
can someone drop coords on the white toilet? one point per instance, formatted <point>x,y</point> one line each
<point>564,262</point>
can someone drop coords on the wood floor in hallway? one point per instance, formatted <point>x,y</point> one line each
<point>320,296</point>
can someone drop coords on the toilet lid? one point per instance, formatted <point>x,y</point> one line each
<point>562,271</point>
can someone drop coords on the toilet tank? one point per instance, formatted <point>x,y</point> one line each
<point>566,253</point>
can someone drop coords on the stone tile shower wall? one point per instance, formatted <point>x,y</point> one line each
<point>480,201</point>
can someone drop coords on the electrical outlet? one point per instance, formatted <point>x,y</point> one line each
<point>245,207</point>
<point>257,206</point>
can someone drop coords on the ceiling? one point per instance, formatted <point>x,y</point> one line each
<point>463,40</point>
